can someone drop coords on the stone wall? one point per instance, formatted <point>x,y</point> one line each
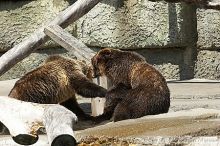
<point>137,24</point>
<point>208,56</point>
<point>20,18</point>
<point>178,39</point>
<point>208,27</point>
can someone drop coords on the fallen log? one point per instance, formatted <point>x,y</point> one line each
<point>207,4</point>
<point>24,119</point>
<point>59,123</point>
<point>32,42</point>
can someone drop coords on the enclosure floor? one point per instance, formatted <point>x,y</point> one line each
<point>193,118</point>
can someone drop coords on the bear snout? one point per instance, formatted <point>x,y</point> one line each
<point>95,72</point>
<point>95,69</point>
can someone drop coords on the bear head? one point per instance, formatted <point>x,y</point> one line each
<point>101,59</point>
<point>72,64</point>
<point>107,59</point>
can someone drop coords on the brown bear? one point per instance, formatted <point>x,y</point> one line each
<point>138,88</point>
<point>57,81</point>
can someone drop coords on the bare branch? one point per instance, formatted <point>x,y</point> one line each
<point>69,42</point>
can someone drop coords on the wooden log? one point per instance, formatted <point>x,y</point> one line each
<point>207,4</point>
<point>32,42</point>
<point>23,119</point>
<point>59,123</point>
<point>69,42</point>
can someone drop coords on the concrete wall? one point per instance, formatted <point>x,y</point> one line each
<point>178,39</point>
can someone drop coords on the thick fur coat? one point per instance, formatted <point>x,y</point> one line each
<point>138,88</point>
<point>57,81</point>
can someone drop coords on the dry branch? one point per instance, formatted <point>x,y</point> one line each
<point>32,42</point>
<point>69,42</point>
<point>207,4</point>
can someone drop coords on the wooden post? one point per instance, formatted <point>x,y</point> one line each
<point>99,103</point>
<point>32,42</point>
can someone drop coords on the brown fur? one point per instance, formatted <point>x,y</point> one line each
<point>138,88</point>
<point>57,81</point>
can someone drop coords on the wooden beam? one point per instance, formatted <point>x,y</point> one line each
<point>207,4</point>
<point>69,42</point>
<point>32,42</point>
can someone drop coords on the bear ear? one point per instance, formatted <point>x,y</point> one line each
<point>106,53</point>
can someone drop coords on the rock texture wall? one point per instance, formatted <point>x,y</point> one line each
<point>141,24</point>
<point>208,27</point>
<point>136,24</point>
<point>208,65</point>
<point>208,56</point>
<point>20,18</point>
<point>178,39</point>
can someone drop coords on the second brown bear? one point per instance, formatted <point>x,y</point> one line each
<point>57,81</point>
<point>138,88</point>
